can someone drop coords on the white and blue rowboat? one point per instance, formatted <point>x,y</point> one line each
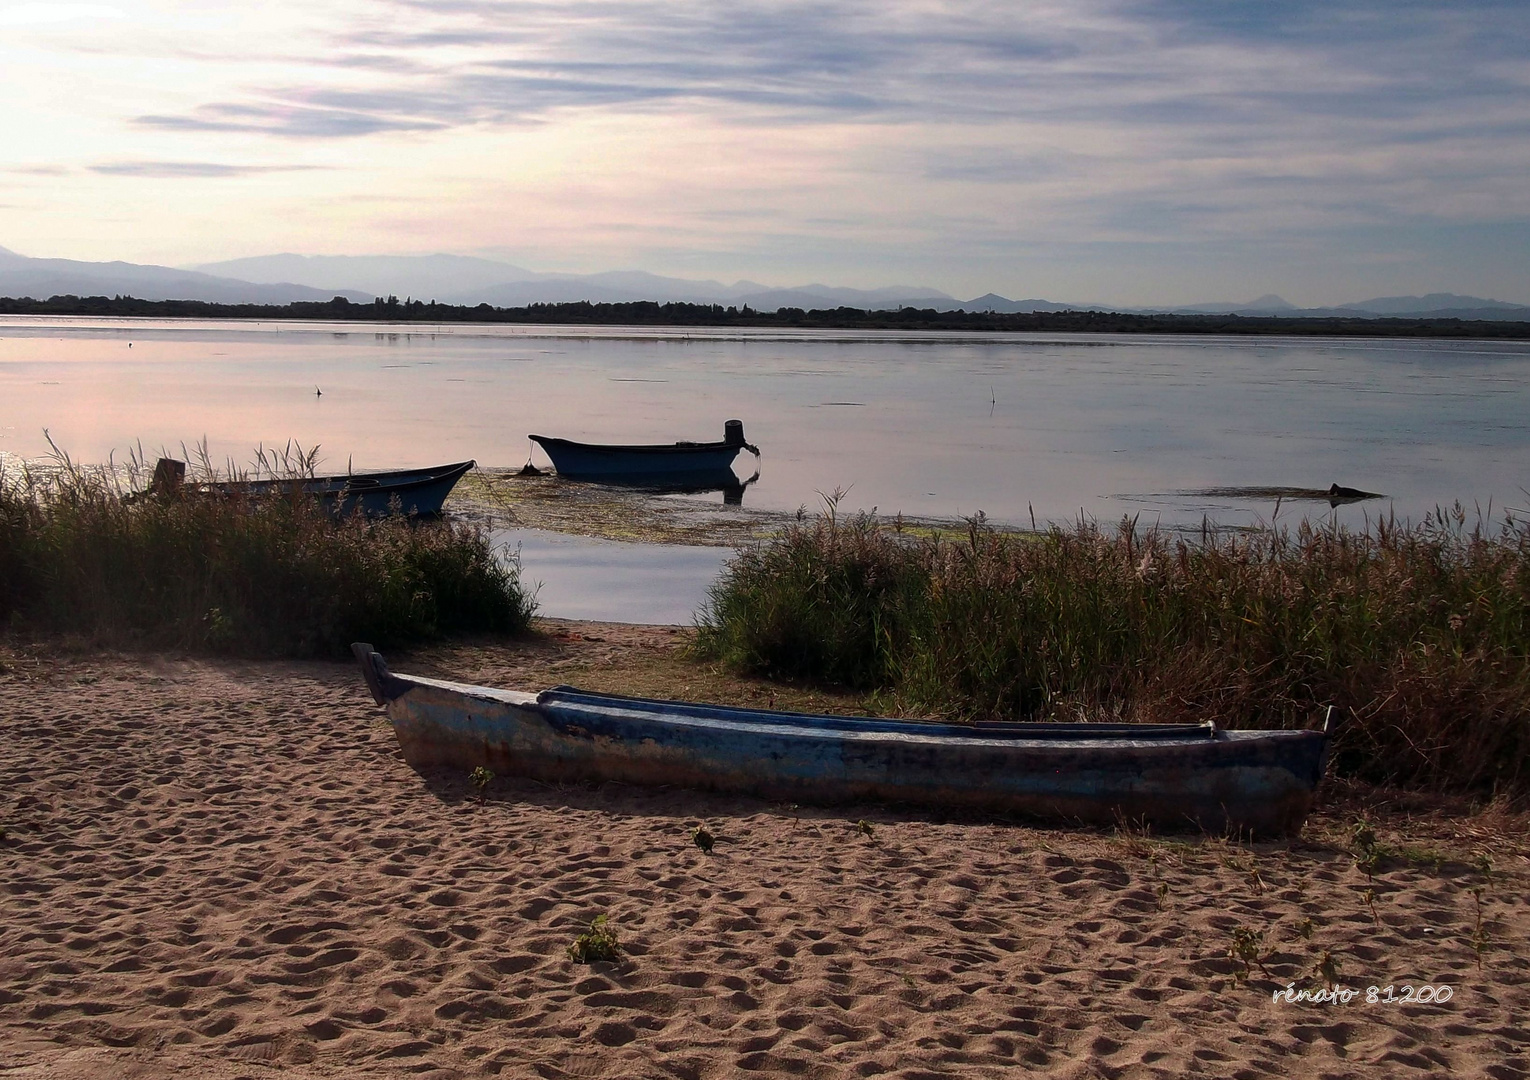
<point>1172,775</point>
<point>420,492</point>
<point>699,464</point>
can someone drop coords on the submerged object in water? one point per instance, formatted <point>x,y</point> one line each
<point>1338,495</point>
<point>1197,775</point>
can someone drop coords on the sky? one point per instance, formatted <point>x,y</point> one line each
<point>1135,153</point>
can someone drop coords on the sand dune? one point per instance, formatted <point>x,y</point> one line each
<point>225,870</point>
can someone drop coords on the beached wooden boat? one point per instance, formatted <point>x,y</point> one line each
<point>1171,775</point>
<point>420,492</point>
<point>648,465</point>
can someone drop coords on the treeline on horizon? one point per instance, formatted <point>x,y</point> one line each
<point>649,313</point>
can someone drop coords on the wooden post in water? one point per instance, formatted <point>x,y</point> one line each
<point>169,475</point>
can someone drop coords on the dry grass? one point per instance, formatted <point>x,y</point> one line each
<point>274,575</point>
<point>1416,636</point>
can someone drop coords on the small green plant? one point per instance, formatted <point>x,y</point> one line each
<point>1479,938</point>
<point>1484,866</point>
<point>1363,836</point>
<point>219,628</point>
<point>481,778</point>
<point>1369,896</point>
<point>1162,892</point>
<point>597,944</point>
<point>1327,968</point>
<point>703,838</point>
<point>1367,851</point>
<point>1246,949</point>
<point>1304,928</point>
<point>866,829</point>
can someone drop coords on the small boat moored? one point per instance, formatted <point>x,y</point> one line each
<point>692,463</point>
<point>1176,775</point>
<point>420,492</point>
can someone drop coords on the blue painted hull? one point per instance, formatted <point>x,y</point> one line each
<point>420,492</point>
<point>694,464</point>
<point>1260,782</point>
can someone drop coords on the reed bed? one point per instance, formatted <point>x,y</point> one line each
<point>1416,635</point>
<point>271,576</point>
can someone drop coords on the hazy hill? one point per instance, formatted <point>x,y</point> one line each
<point>1408,305</point>
<point>42,278</point>
<point>458,279</point>
<point>448,278</point>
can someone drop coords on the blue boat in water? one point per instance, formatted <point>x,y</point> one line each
<point>1175,775</point>
<point>694,464</point>
<point>419,492</point>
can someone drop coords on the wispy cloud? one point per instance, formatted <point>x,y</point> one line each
<point>312,119</point>
<point>190,169</point>
<point>44,14</point>
<point>935,128</point>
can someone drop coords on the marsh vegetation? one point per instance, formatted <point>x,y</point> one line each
<point>1415,635</point>
<point>80,553</point>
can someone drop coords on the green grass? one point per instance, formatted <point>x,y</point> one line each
<point>1416,635</point>
<point>273,576</point>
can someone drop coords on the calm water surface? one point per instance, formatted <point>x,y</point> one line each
<point>934,425</point>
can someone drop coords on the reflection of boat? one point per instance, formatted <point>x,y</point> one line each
<point>418,491</point>
<point>1173,774</point>
<point>725,481</point>
<point>681,462</point>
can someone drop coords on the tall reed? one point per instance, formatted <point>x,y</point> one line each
<point>1417,635</point>
<point>275,575</point>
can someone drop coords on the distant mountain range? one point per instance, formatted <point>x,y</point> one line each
<point>457,279</point>
<point>42,278</point>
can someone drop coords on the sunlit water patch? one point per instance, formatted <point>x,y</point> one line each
<point>578,577</point>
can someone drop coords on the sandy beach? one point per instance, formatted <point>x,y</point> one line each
<point>224,869</point>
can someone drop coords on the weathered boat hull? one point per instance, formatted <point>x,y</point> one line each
<point>693,464</point>
<point>701,463</point>
<point>420,492</point>
<point>1258,782</point>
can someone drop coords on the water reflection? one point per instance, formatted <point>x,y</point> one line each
<point>685,483</point>
<point>579,577</point>
<point>942,425</point>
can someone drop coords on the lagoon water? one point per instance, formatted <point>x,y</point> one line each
<point>579,577</point>
<point>937,424</point>
<point>931,425</point>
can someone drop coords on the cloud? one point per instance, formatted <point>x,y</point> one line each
<point>43,14</point>
<point>1236,70</point>
<point>878,126</point>
<point>180,169</point>
<point>365,116</point>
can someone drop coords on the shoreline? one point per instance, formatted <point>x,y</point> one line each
<point>679,316</point>
<point>223,869</point>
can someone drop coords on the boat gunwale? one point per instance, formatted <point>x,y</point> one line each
<point>404,478</point>
<point>1084,730</point>
<point>636,448</point>
<point>1197,736</point>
